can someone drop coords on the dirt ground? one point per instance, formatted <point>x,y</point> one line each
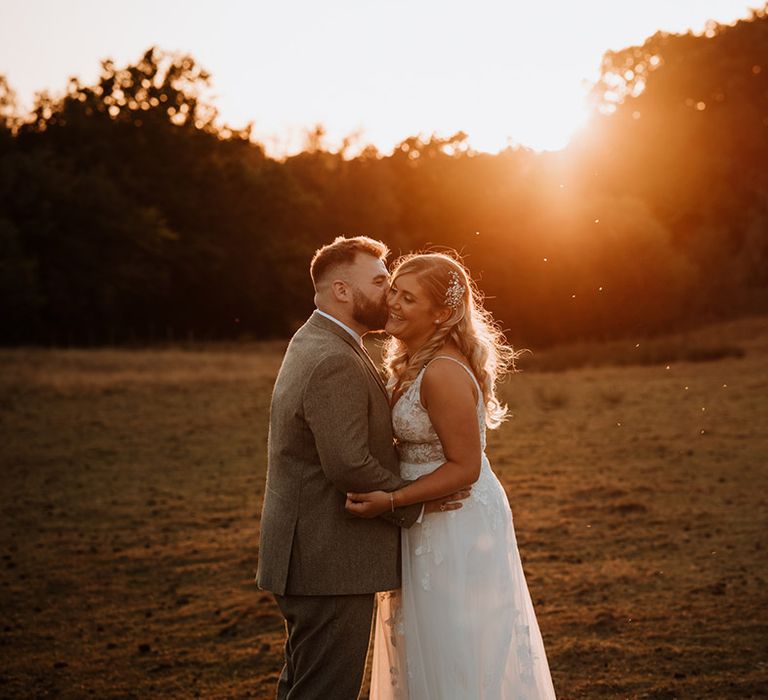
<point>132,484</point>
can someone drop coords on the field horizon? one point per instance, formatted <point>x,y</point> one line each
<point>636,471</point>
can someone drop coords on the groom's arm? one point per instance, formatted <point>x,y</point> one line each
<point>336,410</point>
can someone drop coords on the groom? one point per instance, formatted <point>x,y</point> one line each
<point>330,432</point>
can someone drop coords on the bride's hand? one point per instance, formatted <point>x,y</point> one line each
<point>368,505</point>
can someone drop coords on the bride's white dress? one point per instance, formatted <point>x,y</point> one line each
<point>463,625</point>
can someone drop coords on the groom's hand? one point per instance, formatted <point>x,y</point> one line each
<point>368,505</point>
<point>440,505</point>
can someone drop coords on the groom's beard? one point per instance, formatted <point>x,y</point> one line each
<point>373,315</point>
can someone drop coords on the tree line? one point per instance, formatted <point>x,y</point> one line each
<point>128,214</point>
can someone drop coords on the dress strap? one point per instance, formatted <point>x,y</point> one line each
<point>461,364</point>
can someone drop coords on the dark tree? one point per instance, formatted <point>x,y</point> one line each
<point>127,211</point>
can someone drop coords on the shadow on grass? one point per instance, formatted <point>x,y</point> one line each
<point>659,351</point>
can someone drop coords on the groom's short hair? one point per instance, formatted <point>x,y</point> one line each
<point>343,252</point>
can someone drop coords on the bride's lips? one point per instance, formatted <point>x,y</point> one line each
<point>394,317</point>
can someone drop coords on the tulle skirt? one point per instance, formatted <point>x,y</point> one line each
<point>463,624</point>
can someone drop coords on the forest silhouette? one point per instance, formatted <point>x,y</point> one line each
<point>128,214</point>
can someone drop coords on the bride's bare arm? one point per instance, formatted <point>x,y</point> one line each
<point>450,397</point>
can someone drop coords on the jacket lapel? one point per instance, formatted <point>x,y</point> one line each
<point>372,367</point>
<point>317,320</point>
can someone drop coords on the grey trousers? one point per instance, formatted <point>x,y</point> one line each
<point>326,647</point>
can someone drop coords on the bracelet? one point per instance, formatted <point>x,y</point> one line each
<point>392,500</point>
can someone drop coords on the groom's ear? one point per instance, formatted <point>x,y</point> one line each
<point>341,291</point>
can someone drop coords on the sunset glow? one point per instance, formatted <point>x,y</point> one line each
<point>505,73</point>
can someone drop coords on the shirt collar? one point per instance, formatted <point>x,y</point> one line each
<point>356,336</point>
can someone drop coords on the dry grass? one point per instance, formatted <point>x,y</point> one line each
<point>132,485</point>
<point>705,344</point>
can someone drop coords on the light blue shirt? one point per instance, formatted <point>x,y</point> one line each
<point>356,336</point>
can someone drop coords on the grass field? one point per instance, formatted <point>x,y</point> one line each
<point>132,484</point>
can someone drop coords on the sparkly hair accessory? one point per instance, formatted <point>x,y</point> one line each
<point>455,291</point>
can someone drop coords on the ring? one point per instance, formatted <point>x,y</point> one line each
<point>442,506</point>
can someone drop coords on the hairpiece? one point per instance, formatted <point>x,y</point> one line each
<point>455,291</point>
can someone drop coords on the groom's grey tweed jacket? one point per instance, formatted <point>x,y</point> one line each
<point>330,432</point>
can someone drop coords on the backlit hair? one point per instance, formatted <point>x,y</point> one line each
<point>343,252</point>
<point>470,326</point>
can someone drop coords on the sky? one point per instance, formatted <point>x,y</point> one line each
<point>504,71</point>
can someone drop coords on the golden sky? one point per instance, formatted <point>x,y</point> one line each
<point>504,71</point>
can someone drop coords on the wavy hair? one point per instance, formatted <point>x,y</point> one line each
<point>470,326</point>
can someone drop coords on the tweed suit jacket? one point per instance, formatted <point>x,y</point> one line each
<point>330,432</point>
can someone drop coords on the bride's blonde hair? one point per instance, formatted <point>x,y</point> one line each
<point>469,326</point>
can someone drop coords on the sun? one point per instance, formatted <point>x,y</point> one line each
<point>545,123</point>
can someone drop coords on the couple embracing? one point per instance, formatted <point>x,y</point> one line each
<point>380,502</point>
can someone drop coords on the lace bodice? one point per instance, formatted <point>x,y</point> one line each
<point>417,441</point>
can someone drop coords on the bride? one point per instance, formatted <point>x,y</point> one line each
<point>463,625</point>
